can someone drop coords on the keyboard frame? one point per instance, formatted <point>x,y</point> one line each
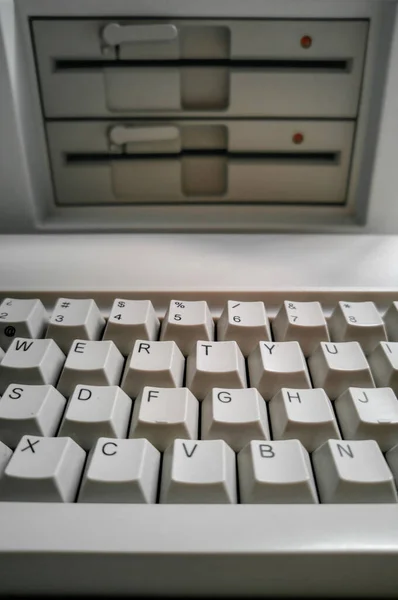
<point>199,550</point>
<point>215,268</point>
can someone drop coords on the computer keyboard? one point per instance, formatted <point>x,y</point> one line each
<point>116,421</point>
<point>299,410</point>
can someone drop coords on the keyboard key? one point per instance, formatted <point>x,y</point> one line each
<point>74,319</point>
<point>21,318</point>
<point>36,362</point>
<point>357,321</point>
<point>304,415</point>
<point>198,472</point>
<point>215,364</point>
<point>274,365</point>
<point>186,323</point>
<point>353,472</point>
<point>163,414</point>
<point>96,411</point>
<point>91,363</point>
<point>2,353</point>
<point>245,323</point>
<point>303,322</point>
<point>235,416</point>
<point>276,473</point>
<point>29,409</point>
<point>43,470</point>
<point>130,320</point>
<point>391,322</point>
<point>369,414</point>
<point>5,455</point>
<point>121,471</point>
<point>392,461</point>
<point>159,364</point>
<point>384,364</point>
<point>336,367</point>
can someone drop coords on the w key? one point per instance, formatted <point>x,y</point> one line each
<point>36,362</point>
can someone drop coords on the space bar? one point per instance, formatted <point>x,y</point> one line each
<point>198,549</point>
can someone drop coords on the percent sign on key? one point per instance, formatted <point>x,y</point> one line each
<point>180,305</point>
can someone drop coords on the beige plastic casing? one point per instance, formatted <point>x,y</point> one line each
<point>30,203</point>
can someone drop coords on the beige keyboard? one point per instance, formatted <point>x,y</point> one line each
<point>133,408</point>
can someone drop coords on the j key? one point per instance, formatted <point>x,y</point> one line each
<point>303,322</point>
<point>74,319</point>
<point>96,411</point>
<point>391,322</point>
<point>29,409</point>
<point>36,362</point>
<point>163,414</point>
<point>357,321</point>
<point>245,323</point>
<point>235,416</point>
<point>186,323</point>
<point>121,471</point>
<point>336,367</point>
<point>153,363</point>
<point>276,473</point>
<point>129,321</point>
<point>43,470</point>
<point>304,415</point>
<point>215,364</point>
<point>384,364</point>
<point>369,414</point>
<point>353,472</point>
<point>274,365</point>
<point>198,472</point>
<point>21,318</point>
<point>91,363</point>
<point>5,455</point>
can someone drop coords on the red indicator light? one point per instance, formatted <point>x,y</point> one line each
<point>306,41</point>
<point>298,138</point>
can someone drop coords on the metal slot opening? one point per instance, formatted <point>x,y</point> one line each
<point>301,157</point>
<point>274,64</point>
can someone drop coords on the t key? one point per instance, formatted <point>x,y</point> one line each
<point>215,364</point>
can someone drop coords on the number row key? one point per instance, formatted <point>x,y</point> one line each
<point>186,322</point>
